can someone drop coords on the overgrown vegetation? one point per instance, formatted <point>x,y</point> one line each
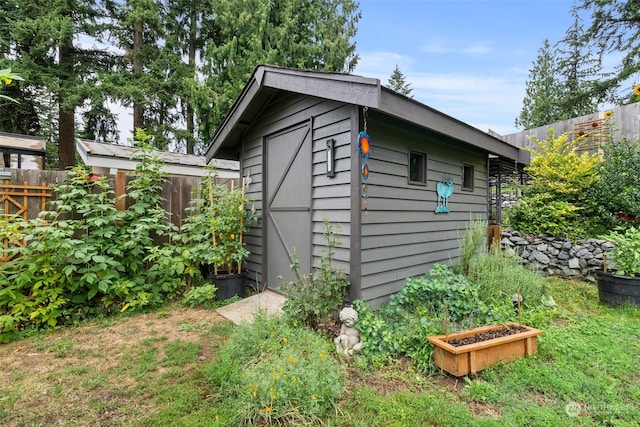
<point>578,195</point>
<point>85,258</point>
<point>442,296</point>
<point>177,367</point>
<point>315,295</point>
<point>275,372</point>
<point>212,233</point>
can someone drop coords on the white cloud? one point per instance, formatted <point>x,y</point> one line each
<point>380,64</point>
<point>478,48</point>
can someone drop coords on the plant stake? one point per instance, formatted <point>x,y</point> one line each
<point>213,231</point>
<point>446,318</point>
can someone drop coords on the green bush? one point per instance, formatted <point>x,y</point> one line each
<point>314,296</point>
<point>401,327</point>
<point>200,295</point>
<point>618,189</point>
<point>500,275</point>
<point>557,202</point>
<point>626,252</point>
<point>540,213</point>
<point>277,372</point>
<point>85,258</point>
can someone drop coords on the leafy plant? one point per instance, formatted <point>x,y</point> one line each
<point>617,192</point>
<point>84,258</point>
<point>401,327</point>
<point>313,296</point>
<point>276,372</point>
<point>213,231</point>
<point>205,295</point>
<point>556,201</point>
<point>540,213</point>
<point>626,252</point>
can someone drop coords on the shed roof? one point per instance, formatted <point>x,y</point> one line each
<point>363,91</point>
<point>24,143</point>
<point>122,157</point>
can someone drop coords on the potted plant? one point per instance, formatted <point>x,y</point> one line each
<point>622,283</point>
<point>213,235</point>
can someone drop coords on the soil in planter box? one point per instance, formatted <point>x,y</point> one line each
<point>484,336</point>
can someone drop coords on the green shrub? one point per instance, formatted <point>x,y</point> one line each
<point>85,258</point>
<point>556,202</point>
<point>401,327</point>
<point>277,372</point>
<point>626,252</point>
<point>618,189</point>
<point>472,243</point>
<point>314,296</point>
<point>540,213</point>
<point>200,295</point>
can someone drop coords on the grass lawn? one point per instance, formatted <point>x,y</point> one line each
<point>155,369</point>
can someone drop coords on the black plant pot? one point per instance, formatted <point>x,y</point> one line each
<point>615,290</point>
<point>229,285</point>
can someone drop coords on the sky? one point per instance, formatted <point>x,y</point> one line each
<point>469,59</point>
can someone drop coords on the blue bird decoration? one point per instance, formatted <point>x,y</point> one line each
<point>444,189</point>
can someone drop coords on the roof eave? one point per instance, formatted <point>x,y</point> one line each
<point>267,80</point>
<point>413,111</point>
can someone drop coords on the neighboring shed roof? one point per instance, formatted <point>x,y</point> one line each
<point>121,157</point>
<point>31,147</point>
<point>367,92</point>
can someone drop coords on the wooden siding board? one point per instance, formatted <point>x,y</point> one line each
<point>402,236</point>
<point>330,119</point>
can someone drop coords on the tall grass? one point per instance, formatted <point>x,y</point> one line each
<point>498,273</point>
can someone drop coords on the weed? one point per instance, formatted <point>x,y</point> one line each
<point>180,353</point>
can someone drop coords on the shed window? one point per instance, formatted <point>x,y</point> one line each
<point>467,177</point>
<point>417,168</point>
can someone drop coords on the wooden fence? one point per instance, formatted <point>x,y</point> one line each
<point>28,192</point>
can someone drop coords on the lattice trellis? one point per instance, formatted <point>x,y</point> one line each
<point>594,133</point>
<point>14,200</point>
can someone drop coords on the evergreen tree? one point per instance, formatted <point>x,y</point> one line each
<point>45,48</point>
<point>398,83</point>
<point>579,71</point>
<point>307,34</point>
<point>615,28</point>
<point>543,92</point>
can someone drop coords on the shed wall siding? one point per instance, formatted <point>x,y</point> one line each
<point>402,236</point>
<point>330,196</point>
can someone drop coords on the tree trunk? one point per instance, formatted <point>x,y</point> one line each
<point>66,121</point>
<point>138,107</point>
<point>193,31</point>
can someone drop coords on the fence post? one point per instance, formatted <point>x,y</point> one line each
<point>121,185</point>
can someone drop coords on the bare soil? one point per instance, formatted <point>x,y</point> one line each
<point>485,336</point>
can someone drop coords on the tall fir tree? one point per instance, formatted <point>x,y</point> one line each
<point>307,34</point>
<point>579,71</point>
<point>45,47</point>
<point>398,82</point>
<point>614,29</point>
<point>540,105</point>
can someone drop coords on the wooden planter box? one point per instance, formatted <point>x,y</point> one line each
<point>471,358</point>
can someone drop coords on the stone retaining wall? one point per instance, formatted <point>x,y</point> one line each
<point>557,255</point>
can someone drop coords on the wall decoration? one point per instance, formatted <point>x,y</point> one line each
<point>364,148</point>
<point>364,144</point>
<point>444,189</point>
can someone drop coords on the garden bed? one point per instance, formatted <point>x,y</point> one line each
<point>467,352</point>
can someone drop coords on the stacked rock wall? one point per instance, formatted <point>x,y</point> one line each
<point>557,255</point>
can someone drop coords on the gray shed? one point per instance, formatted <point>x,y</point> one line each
<point>297,137</point>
